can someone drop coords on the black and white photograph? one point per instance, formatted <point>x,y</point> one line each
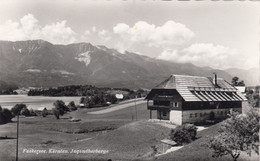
<point>129,80</point>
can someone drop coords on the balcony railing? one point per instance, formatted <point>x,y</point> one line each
<point>156,107</point>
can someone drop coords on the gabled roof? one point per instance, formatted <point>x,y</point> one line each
<point>197,88</point>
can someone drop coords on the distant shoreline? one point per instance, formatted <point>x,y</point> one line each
<point>35,102</point>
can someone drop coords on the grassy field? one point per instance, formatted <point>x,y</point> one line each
<point>45,133</point>
<point>118,133</point>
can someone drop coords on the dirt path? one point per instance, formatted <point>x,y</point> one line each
<point>118,107</point>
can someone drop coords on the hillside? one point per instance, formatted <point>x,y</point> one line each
<point>42,64</point>
<point>7,86</point>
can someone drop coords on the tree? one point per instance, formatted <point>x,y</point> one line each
<point>113,99</point>
<point>72,106</point>
<point>241,83</point>
<point>56,113</point>
<point>82,100</point>
<point>60,107</point>
<point>236,83</point>
<point>16,110</point>
<point>238,133</point>
<point>183,134</point>
<point>5,115</point>
<point>253,98</point>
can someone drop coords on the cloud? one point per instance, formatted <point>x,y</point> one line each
<point>120,28</point>
<point>28,28</point>
<point>104,35</point>
<point>216,56</point>
<point>94,29</point>
<point>58,33</point>
<point>168,35</point>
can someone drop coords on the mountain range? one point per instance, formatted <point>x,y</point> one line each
<point>39,63</point>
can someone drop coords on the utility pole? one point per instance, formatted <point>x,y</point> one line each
<point>17,137</point>
<point>135,109</point>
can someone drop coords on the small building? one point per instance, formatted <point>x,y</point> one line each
<point>119,96</point>
<point>81,105</point>
<point>242,89</point>
<point>193,99</point>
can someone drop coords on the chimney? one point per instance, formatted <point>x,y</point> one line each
<point>215,79</point>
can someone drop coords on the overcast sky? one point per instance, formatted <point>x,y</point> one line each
<point>205,33</point>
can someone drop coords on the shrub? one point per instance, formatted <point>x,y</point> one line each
<point>183,134</point>
<point>44,112</point>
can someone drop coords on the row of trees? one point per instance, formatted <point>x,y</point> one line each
<point>6,115</point>
<point>98,100</point>
<point>79,90</point>
<point>60,108</point>
<point>8,92</point>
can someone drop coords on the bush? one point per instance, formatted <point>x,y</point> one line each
<point>44,112</point>
<point>183,134</point>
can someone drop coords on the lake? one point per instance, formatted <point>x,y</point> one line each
<point>34,102</point>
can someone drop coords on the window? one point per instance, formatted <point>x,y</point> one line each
<point>195,114</point>
<point>221,112</point>
<point>164,113</point>
<point>191,115</point>
<point>201,114</point>
<point>174,104</point>
<point>225,112</point>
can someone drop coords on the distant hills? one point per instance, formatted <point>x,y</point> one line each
<point>7,86</point>
<point>39,63</point>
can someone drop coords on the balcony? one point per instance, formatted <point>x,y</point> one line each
<point>151,106</point>
<point>157,107</point>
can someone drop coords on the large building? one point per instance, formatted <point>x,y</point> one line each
<point>193,99</point>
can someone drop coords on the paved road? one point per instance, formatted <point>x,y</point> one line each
<point>118,107</point>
